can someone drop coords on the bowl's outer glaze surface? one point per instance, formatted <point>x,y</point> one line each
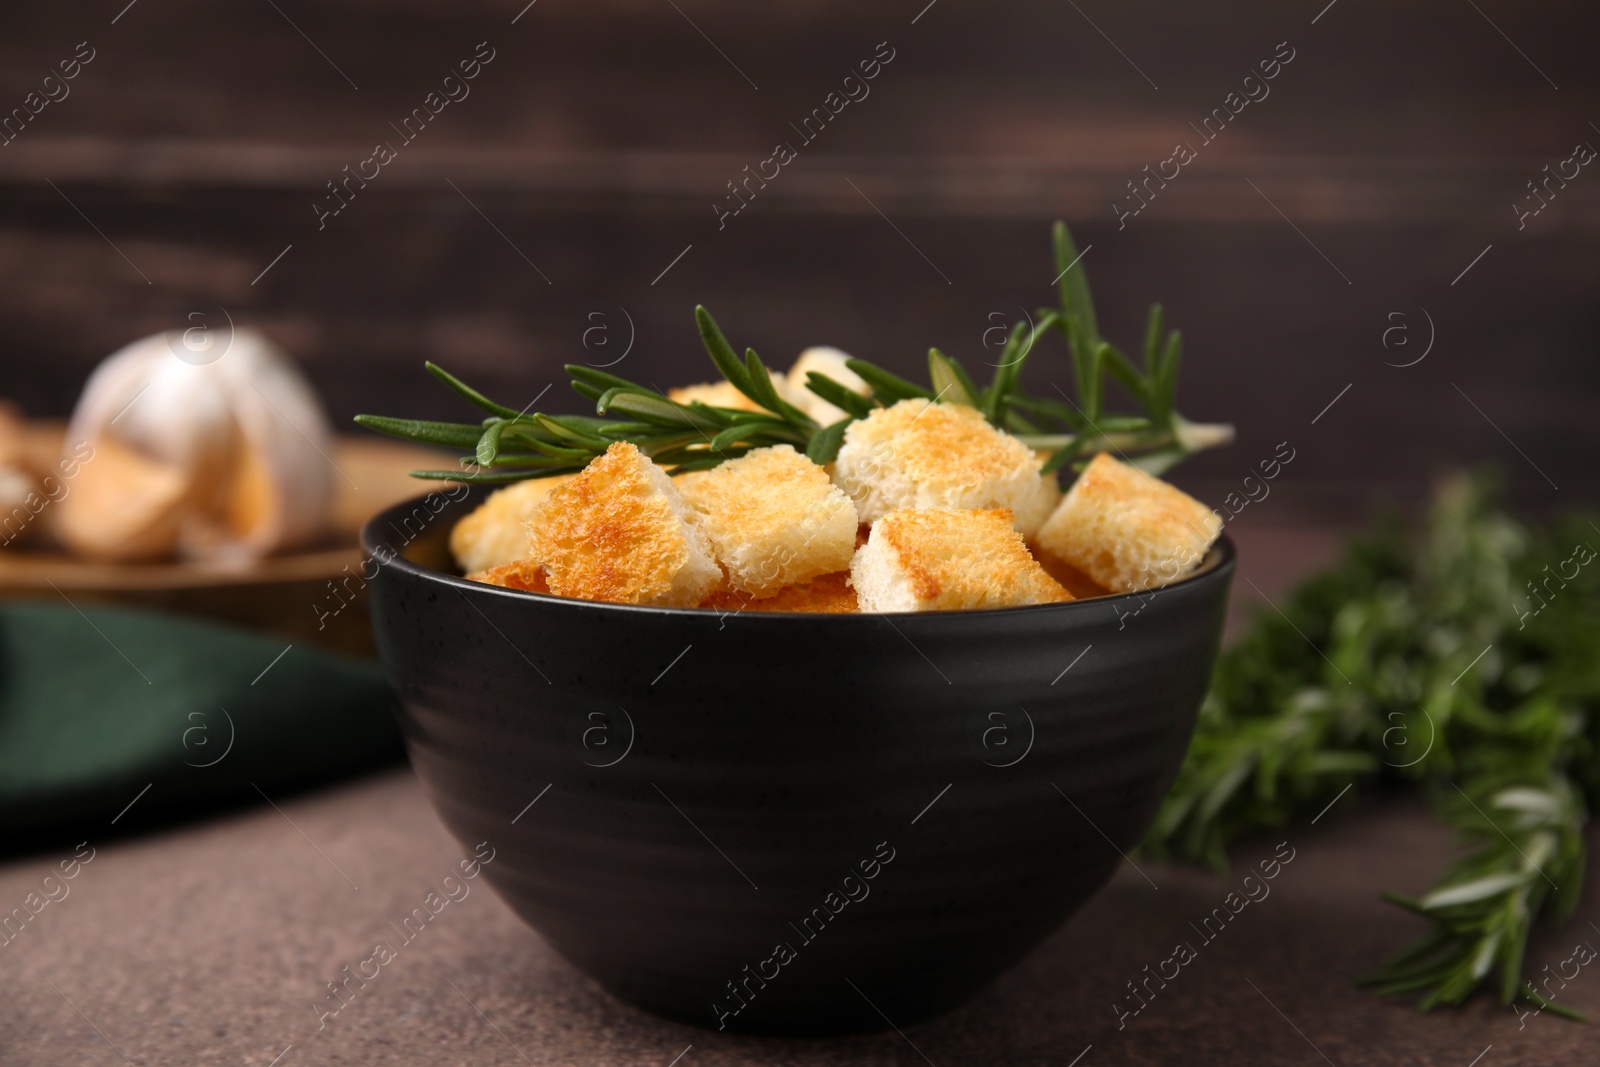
<point>705,783</point>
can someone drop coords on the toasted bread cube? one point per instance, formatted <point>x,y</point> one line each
<point>944,559</point>
<point>493,534</point>
<point>619,531</point>
<point>919,454</point>
<point>718,394</point>
<point>523,574</point>
<point>725,394</point>
<point>1129,530</point>
<point>828,362</point>
<point>829,594</point>
<point>774,519</point>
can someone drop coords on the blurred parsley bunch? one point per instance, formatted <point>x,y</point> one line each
<point>1465,660</point>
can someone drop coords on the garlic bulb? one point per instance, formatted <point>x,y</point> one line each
<point>218,457</point>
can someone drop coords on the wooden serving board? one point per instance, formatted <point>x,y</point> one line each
<point>286,594</point>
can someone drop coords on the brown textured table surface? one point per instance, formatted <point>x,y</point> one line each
<point>209,944</point>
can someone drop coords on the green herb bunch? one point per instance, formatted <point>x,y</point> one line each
<point>511,445</point>
<point>1431,662</point>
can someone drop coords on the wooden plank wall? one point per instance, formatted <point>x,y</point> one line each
<point>591,151</point>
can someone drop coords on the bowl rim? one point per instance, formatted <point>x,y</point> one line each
<point>1217,566</point>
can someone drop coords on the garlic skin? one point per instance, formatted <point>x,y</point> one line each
<point>221,461</point>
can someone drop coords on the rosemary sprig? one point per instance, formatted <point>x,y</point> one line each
<point>1156,440</point>
<point>512,445</point>
<point>1525,828</point>
<point>1432,674</point>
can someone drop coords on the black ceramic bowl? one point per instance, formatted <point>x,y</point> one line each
<point>799,824</point>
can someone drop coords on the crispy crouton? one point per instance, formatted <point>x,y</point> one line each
<point>725,394</point>
<point>774,519</point>
<point>943,559</point>
<point>1129,530</point>
<point>620,532</point>
<point>493,534</point>
<point>523,574</point>
<point>718,394</point>
<point>827,594</point>
<point>828,362</point>
<point>919,454</point>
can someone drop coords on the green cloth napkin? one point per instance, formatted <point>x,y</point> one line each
<point>114,720</point>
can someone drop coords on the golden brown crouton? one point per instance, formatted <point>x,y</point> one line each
<point>725,394</point>
<point>942,559</point>
<point>918,454</point>
<point>619,531</point>
<point>523,574</point>
<point>718,394</point>
<point>493,533</point>
<point>1129,530</point>
<point>827,594</point>
<point>774,519</point>
<point>828,362</point>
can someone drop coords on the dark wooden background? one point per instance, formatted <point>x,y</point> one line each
<point>596,142</point>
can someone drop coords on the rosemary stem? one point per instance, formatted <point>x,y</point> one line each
<point>1198,436</point>
<point>1190,436</point>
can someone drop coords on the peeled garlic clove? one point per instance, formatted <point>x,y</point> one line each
<point>20,499</point>
<point>222,460</point>
<point>13,435</point>
<point>125,506</point>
